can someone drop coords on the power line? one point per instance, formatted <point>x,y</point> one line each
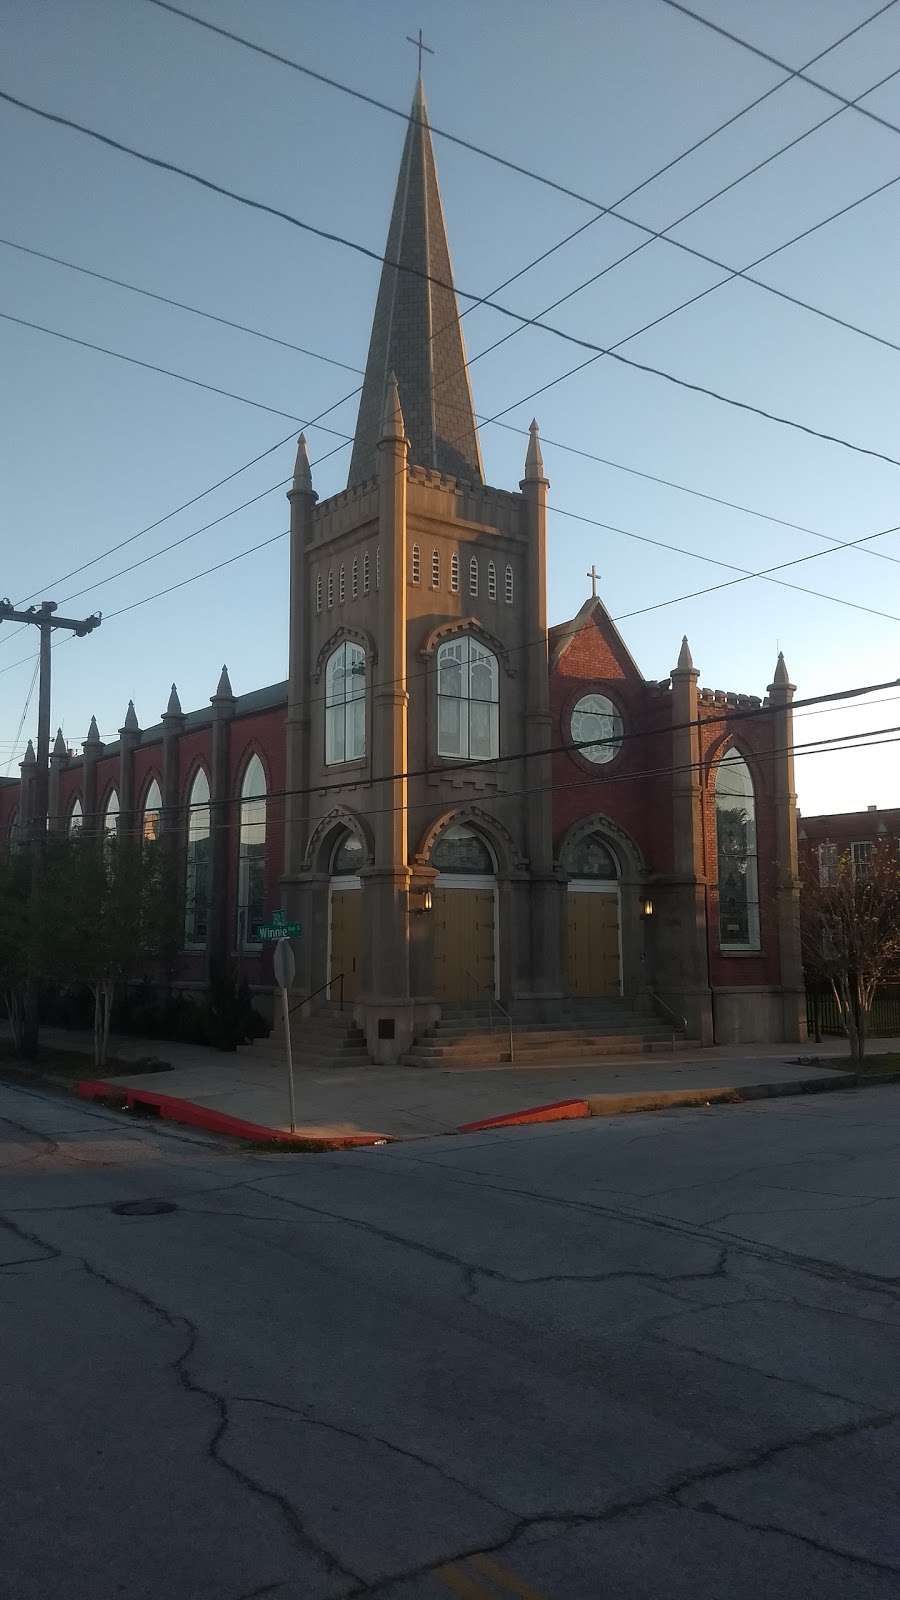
<point>166,372</point>
<point>181,305</point>
<point>18,737</point>
<point>837,744</point>
<point>764,55</point>
<point>373,255</point>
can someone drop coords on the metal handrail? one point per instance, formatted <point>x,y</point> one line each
<point>482,988</point>
<point>680,1022</point>
<point>326,985</point>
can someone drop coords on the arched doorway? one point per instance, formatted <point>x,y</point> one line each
<point>345,915</point>
<point>593,936</point>
<point>463,915</point>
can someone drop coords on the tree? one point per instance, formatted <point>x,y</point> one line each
<point>850,928</point>
<point>105,911</point>
<point>16,924</point>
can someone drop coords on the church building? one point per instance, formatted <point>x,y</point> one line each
<point>453,798</point>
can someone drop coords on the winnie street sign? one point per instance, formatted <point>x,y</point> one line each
<point>270,932</point>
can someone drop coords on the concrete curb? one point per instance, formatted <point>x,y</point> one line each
<point>615,1105</point>
<point>171,1109</point>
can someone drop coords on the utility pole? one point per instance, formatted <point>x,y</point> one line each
<point>44,618</point>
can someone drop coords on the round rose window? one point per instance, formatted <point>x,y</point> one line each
<point>596,718</point>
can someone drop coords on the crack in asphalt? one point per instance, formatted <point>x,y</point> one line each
<point>180,1366</point>
<point>314,1421</point>
<point>706,1508</point>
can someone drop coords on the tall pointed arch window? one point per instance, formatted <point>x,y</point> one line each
<point>473,577</point>
<point>196,879</point>
<point>509,586</point>
<point>492,581</point>
<point>75,819</point>
<point>342,585</point>
<point>454,572</point>
<point>152,812</point>
<point>736,853</point>
<point>330,588</point>
<point>345,704</point>
<point>111,816</point>
<point>251,854</point>
<point>365,572</point>
<point>435,569</point>
<point>354,578</point>
<point>468,700</point>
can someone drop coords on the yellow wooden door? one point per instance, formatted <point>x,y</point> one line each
<point>593,943</point>
<point>346,924</point>
<point>462,923</point>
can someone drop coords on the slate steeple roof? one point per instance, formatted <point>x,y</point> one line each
<point>416,331</point>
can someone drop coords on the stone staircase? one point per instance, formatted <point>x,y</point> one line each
<point>571,1030</point>
<point>330,1038</point>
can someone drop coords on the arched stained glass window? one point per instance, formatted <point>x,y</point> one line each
<point>111,815</point>
<point>152,810</point>
<point>459,849</point>
<point>252,854</point>
<point>736,853</point>
<point>196,885</point>
<point>588,856</point>
<point>345,704</point>
<point>75,819</point>
<point>468,700</point>
<point>348,856</point>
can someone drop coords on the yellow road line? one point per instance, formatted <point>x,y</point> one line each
<point>506,1578</point>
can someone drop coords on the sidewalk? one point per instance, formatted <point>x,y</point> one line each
<point>365,1103</point>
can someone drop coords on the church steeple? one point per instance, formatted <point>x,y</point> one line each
<point>416,331</point>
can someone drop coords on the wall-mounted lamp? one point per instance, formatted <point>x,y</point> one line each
<point>646,907</point>
<point>421,901</point>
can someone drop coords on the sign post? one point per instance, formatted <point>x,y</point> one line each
<point>284,976</point>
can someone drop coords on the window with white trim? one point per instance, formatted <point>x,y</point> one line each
<point>828,865</point>
<point>509,585</point>
<point>468,696</point>
<point>416,564</point>
<point>736,852</point>
<point>861,858</point>
<point>251,855</point>
<point>492,581</point>
<point>196,877</point>
<point>473,576</point>
<point>345,704</point>
<point>454,573</point>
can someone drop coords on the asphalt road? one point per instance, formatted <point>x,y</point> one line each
<point>651,1356</point>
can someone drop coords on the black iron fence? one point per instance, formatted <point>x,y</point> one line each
<point>822,1018</point>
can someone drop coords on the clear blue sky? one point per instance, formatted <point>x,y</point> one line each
<point>597,93</point>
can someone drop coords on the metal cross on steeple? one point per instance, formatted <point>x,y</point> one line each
<point>420,45</point>
<point>593,575</point>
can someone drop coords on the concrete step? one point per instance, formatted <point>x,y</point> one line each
<point>562,1048</point>
<point>546,1056</point>
<point>444,1034</point>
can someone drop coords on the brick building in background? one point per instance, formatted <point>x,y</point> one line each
<point>412,793</point>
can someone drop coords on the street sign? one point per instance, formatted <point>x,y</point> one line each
<point>270,932</point>
<point>284,964</point>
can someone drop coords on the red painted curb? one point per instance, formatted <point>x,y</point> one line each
<point>187,1112</point>
<point>557,1111</point>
